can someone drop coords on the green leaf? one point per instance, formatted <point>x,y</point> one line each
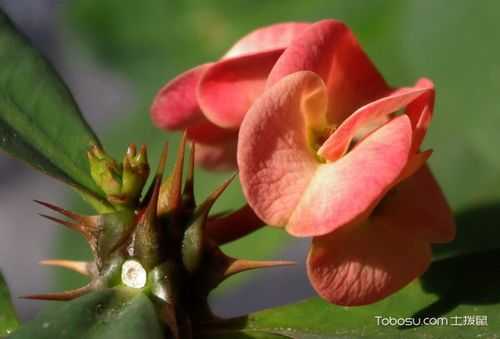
<point>40,122</point>
<point>108,314</point>
<point>8,319</point>
<point>451,290</point>
<point>243,335</point>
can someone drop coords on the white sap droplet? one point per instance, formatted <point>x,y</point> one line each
<point>133,274</point>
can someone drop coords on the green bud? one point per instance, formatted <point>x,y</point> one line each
<point>135,174</point>
<point>105,171</point>
<point>122,184</point>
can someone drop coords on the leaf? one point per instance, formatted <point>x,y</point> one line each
<point>108,314</point>
<point>40,122</point>
<point>8,318</point>
<point>451,290</point>
<point>243,335</point>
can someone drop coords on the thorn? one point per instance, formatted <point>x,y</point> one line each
<point>163,159</point>
<point>90,222</point>
<point>188,193</point>
<point>232,226</point>
<point>202,211</point>
<point>82,267</point>
<point>74,226</point>
<point>159,173</point>
<point>174,193</point>
<point>212,198</point>
<point>241,265</point>
<point>60,296</point>
<point>152,203</point>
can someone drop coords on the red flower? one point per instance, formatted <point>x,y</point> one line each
<point>211,100</point>
<point>329,150</point>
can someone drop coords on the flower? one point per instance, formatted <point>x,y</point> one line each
<point>210,100</point>
<point>330,151</point>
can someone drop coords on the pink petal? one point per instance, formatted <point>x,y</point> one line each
<point>176,105</point>
<point>217,157</point>
<point>206,132</point>
<point>363,263</point>
<point>229,87</point>
<point>345,191</point>
<point>267,38</point>
<point>274,158</point>
<point>419,204</point>
<point>338,143</point>
<point>415,163</point>
<point>329,49</point>
<point>420,112</point>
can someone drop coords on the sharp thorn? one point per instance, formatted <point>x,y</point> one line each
<point>189,184</point>
<point>174,193</point>
<point>232,226</point>
<point>159,175</point>
<point>240,265</point>
<point>72,225</point>
<point>85,220</point>
<point>212,198</point>
<point>60,296</point>
<point>82,229</point>
<point>82,267</point>
<point>163,160</point>
<point>152,203</point>
<point>190,176</point>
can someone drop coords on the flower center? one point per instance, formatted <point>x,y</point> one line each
<point>316,138</point>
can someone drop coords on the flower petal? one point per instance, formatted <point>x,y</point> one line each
<point>345,191</point>
<point>267,38</point>
<point>363,263</point>
<point>419,204</point>
<point>329,49</point>
<point>206,132</point>
<point>338,143</point>
<point>274,157</point>
<point>217,157</point>
<point>228,88</point>
<point>176,105</point>
<point>420,112</point>
<point>415,163</point>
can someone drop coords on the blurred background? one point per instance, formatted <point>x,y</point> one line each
<point>115,55</point>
